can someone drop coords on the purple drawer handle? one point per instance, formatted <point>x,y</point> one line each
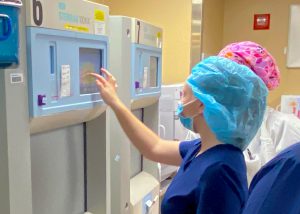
<point>41,100</point>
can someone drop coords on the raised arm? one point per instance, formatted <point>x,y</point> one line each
<point>144,139</point>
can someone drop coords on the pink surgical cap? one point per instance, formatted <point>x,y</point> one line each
<point>257,58</point>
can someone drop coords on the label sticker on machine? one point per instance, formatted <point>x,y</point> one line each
<point>99,25</point>
<point>76,28</point>
<point>145,77</point>
<point>99,15</point>
<point>16,78</point>
<point>65,88</point>
<point>99,28</point>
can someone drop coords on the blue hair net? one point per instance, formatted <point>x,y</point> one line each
<point>234,99</point>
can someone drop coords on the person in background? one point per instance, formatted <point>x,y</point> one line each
<point>276,186</point>
<point>278,130</point>
<point>222,101</point>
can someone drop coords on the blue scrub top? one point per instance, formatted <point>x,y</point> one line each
<point>276,186</point>
<point>212,182</point>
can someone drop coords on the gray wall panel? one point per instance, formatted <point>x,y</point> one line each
<point>57,159</point>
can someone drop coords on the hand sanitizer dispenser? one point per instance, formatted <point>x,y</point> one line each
<point>9,32</point>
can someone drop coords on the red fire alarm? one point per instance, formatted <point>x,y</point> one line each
<point>261,22</point>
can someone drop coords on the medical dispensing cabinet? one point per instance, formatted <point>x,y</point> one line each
<point>9,32</point>
<point>136,41</point>
<point>63,46</point>
<point>146,51</point>
<point>146,74</point>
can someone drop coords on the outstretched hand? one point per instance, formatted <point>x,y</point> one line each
<point>107,87</point>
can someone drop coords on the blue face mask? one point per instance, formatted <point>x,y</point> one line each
<point>187,122</point>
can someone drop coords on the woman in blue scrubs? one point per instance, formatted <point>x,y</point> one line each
<point>222,101</point>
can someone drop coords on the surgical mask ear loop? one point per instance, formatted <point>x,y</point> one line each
<point>186,104</point>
